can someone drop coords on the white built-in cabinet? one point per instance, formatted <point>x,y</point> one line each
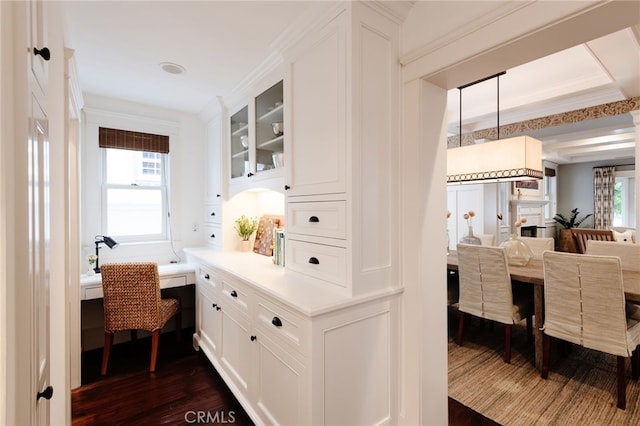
<point>291,355</point>
<point>256,146</point>
<point>341,186</point>
<point>212,215</point>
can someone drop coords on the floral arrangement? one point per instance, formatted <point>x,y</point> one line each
<point>469,217</point>
<point>246,227</point>
<point>91,258</point>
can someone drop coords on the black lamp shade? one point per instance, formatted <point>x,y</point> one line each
<point>110,242</point>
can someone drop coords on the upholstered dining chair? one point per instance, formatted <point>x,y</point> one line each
<point>132,302</point>
<point>487,239</point>
<point>538,245</point>
<point>485,291</point>
<point>585,305</point>
<point>629,254</point>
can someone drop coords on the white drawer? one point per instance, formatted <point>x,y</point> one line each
<point>213,213</point>
<point>322,219</point>
<point>214,235</point>
<point>327,263</point>
<point>282,324</point>
<point>208,279</point>
<point>93,293</point>
<point>177,281</point>
<point>235,295</point>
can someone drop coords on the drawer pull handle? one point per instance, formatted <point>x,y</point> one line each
<point>218,308</point>
<point>276,321</point>
<point>253,338</point>
<point>314,219</point>
<point>233,293</point>
<point>206,276</point>
<point>314,261</point>
<point>213,235</point>
<point>214,305</point>
<point>213,213</point>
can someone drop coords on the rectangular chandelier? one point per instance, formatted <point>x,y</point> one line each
<point>518,158</point>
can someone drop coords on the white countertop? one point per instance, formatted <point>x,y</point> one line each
<point>308,295</point>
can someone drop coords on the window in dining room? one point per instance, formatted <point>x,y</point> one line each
<point>624,200</point>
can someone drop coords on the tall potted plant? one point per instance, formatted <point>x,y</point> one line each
<point>565,237</point>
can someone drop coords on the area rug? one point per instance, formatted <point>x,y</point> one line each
<point>581,389</point>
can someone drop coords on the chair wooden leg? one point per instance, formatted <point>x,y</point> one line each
<point>622,385</point>
<point>460,327</point>
<point>155,339</point>
<point>106,351</point>
<point>507,343</point>
<point>179,327</point>
<point>546,349</point>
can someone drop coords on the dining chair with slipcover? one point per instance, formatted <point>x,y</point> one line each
<point>486,292</point>
<point>629,254</point>
<point>132,301</point>
<point>538,245</point>
<point>585,305</point>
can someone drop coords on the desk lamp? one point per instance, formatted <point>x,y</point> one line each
<point>110,242</point>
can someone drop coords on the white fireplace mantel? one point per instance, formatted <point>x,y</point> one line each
<point>533,210</point>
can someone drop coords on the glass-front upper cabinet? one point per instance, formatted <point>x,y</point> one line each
<point>240,165</point>
<point>269,129</point>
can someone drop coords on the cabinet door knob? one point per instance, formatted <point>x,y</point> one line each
<point>253,338</point>
<point>46,55</point>
<point>249,174</point>
<point>287,187</point>
<point>233,293</point>
<point>213,213</point>
<point>47,393</point>
<point>314,261</point>
<point>218,308</point>
<point>276,321</point>
<point>206,276</point>
<point>213,235</point>
<point>214,305</point>
<point>314,219</point>
<point>218,195</point>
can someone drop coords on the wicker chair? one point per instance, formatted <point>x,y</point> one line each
<point>132,302</point>
<point>585,304</point>
<point>538,245</point>
<point>581,235</point>
<point>485,291</point>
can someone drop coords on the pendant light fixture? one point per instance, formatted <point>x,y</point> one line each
<point>518,158</point>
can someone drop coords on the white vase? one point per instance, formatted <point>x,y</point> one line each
<point>245,245</point>
<point>90,271</point>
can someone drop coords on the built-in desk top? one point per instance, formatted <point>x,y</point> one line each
<point>171,275</point>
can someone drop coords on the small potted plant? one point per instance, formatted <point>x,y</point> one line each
<point>245,227</point>
<point>565,238</point>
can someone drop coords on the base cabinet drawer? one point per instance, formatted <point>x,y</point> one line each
<point>327,263</point>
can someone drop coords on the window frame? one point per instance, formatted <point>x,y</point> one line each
<point>629,195</point>
<point>164,194</point>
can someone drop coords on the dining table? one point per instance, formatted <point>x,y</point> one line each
<point>533,274</point>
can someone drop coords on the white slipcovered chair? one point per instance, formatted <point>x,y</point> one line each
<point>629,254</point>
<point>487,239</point>
<point>585,304</point>
<point>485,291</point>
<point>538,245</point>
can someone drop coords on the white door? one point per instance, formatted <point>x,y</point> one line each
<point>39,209</point>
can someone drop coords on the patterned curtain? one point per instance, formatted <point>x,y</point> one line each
<point>604,180</point>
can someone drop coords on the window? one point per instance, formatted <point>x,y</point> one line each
<point>550,192</point>
<point>134,194</point>
<point>624,200</point>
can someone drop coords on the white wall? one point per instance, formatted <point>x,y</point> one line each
<point>188,140</point>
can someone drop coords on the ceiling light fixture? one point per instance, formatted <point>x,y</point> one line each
<point>518,158</point>
<point>172,68</point>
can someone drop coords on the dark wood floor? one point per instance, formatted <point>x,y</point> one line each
<point>184,386</point>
